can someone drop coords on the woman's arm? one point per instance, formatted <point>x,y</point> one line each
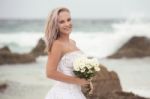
<point>52,63</point>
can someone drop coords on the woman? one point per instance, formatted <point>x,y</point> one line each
<point>62,51</point>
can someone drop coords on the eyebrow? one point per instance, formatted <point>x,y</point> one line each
<point>63,20</point>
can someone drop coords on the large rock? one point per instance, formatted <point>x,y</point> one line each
<point>107,86</point>
<point>7,57</point>
<point>5,49</point>
<point>39,48</point>
<point>135,47</point>
<point>104,82</point>
<point>3,86</point>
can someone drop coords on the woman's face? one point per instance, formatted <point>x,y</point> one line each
<point>64,22</point>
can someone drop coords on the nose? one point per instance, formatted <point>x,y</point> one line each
<point>67,23</point>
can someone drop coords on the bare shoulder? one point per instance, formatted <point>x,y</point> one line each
<point>57,47</point>
<point>57,43</point>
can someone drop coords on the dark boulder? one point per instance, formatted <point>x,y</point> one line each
<point>39,48</point>
<point>7,57</point>
<point>3,87</point>
<point>136,47</point>
<point>104,82</point>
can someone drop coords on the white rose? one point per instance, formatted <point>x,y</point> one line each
<point>90,71</point>
<point>76,68</point>
<point>97,68</point>
<point>82,70</point>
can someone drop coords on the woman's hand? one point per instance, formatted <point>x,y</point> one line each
<point>87,84</point>
<point>83,82</point>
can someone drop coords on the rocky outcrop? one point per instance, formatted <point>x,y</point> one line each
<point>107,86</point>
<point>5,49</point>
<point>136,47</point>
<point>39,48</point>
<point>3,86</point>
<point>7,57</point>
<point>104,82</point>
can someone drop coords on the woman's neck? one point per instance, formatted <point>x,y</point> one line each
<point>64,38</point>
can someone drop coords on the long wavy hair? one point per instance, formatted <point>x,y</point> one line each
<point>51,27</point>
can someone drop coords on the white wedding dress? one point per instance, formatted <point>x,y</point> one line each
<point>62,90</point>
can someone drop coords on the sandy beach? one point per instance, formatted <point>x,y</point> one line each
<point>28,81</point>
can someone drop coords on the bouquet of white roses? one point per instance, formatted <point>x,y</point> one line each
<point>85,67</point>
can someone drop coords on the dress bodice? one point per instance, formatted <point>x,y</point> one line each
<point>66,63</point>
<point>66,67</point>
<point>63,90</point>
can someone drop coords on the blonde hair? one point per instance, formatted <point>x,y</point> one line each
<point>51,28</point>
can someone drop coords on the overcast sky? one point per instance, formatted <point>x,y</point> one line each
<point>79,8</point>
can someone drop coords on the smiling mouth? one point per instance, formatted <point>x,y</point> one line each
<point>68,28</point>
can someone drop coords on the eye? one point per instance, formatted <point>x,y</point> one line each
<point>62,21</point>
<point>69,19</point>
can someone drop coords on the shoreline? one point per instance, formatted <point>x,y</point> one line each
<point>25,76</point>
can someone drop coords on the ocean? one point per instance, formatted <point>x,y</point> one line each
<point>98,38</point>
<point>95,37</point>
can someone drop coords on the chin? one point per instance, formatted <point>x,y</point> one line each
<point>68,32</point>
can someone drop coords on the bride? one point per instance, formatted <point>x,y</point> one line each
<point>62,51</point>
